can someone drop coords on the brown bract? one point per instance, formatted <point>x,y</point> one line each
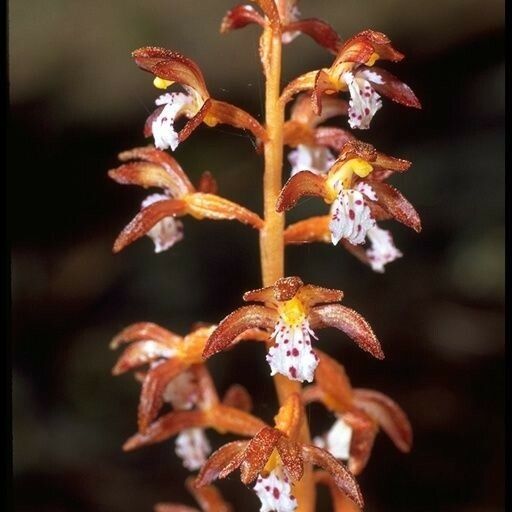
<point>358,52</point>
<point>278,446</point>
<point>319,304</point>
<point>175,67</point>
<point>363,410</point>
<point>155,168</point>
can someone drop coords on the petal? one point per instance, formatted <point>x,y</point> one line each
<point>225,113</point>
<point>393,202</point>
<point>236,323</point>
<point>382,250</point>
<point>171,65</point>
<point>146,219</point>
<point>302,184</point>
<point>285,288</point>
<point>261,295</point>
<point>211,206</point>
<point>343,479</point>
<point>207,183</point>
<point>165,427</point>
<point>395,89</point>
<point>317,159</point>
<point>221,463</point>
<point>320,31</point>
<point>258,452</point>
<point>291,455</point>
<point>302,110</point>
<point>275,492</point>
<point>295,133</point>
<point>208,497</point>
<point>153,387</point>
<point>334,138</point>
<point>331,378</point>
<point>146,175</point>
<point>234,421</point>
<point>388,415</point>
<point>391,163</point>
<point>145,331</point>
<point>238,397</point>
<point>323,85</point>
<point>239,17</point>
<point>348,321</point>
<point>139,353</point>
<point>314,229</point>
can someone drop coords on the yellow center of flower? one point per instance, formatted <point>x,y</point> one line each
<point>343,175</point>
<point>162,83</point>
<point>373,57</point>
<point>292,312</point>
<point>273,461</point>
<point>210,120</point>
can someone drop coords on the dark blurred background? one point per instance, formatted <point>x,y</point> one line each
<point>77,100</point>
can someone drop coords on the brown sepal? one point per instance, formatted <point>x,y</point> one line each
<point>159,157</point>
<point>393,202</point>
<point>295,133</point>
<point>341,476</point>
<point>290,453</point>
<point>360,47</point>
<point>234,421</point>
<point>145,331</point>
<point>314,229</point>
<point>334,138</point>
<point>364,431</point>
<point>387,414</point>
<point>323,85</point>
<point>258,452</point>
<point>173,507</point>
<point>171,65</point>
<point>194,122</point>
<point>340,502</point>
<point>153,387</point>
<point>226,113</point>
<point>221,463</point>
<point>146,219</point>
<point>395,89</point>
<point>311,295</point>
<point>139,353</point>
<point>236,323</point>
<point>305,82</point>
<point>165,427</point>
<point>348,321</point>
<point>302,184</point>
<point>331,378</point>
<point>240,16</point>
<point>320,31</point>
<point>211,206</point>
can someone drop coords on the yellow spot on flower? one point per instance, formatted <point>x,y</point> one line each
<point>292,312</point>
<point>343,175</point>
<point>162,83</point>
<point>210,121</point>
<point>273,461</point>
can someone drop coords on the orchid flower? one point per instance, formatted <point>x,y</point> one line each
<point>359,415</point>
<point>292,312</point>
<point>353,70</point>
<point>157,218</point>
<point>282,15</point>
<point>275,458</point>
<point>170,67</point>
<point>358,197</point>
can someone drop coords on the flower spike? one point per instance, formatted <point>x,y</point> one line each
<point>293,310</point>
<point>157,218</point>
<point>171,67</point>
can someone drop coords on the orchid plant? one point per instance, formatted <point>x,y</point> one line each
<point>285,315</point>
